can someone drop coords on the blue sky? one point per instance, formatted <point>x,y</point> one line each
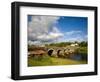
<point>73,27</point>
<point>57,28</point>
<point>72,23</point>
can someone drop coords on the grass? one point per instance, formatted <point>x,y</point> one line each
<point>82,50</point>
<point>50,61</point>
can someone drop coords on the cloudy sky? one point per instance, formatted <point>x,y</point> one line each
<point>48,29</point>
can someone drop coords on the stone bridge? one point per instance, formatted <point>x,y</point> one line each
<point>54,51</point>
<point>61,51</point>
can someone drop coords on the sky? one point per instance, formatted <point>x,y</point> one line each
<point>50,29</point>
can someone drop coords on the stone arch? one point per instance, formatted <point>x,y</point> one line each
<point>50,52</point>
<point>60,53</point>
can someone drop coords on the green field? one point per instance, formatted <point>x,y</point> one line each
<point>50,61</point>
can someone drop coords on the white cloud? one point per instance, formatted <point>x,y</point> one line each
<point>41,28</point>
<point>77,38</point>
<point>73,32</point>
<point>50,36</point>
<point>73,35</point>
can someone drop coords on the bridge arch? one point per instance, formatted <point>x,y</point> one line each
<point>50,52</point>
<point>60,52</point>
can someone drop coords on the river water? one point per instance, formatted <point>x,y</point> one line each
<point>79,57</point>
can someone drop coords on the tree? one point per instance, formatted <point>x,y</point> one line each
<point>83,44</point>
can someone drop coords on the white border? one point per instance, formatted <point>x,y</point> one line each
<point>25,70</point>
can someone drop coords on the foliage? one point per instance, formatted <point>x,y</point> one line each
<point>83,44</point>
<point>61,44</point>
<point>82,50</point>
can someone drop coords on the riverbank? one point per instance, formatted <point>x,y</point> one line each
<point>50,61</point>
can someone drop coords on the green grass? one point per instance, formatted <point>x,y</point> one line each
<point>50,61</point>
<point>82,50</point>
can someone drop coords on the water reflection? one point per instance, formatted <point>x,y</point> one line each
<point>79,57</point>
